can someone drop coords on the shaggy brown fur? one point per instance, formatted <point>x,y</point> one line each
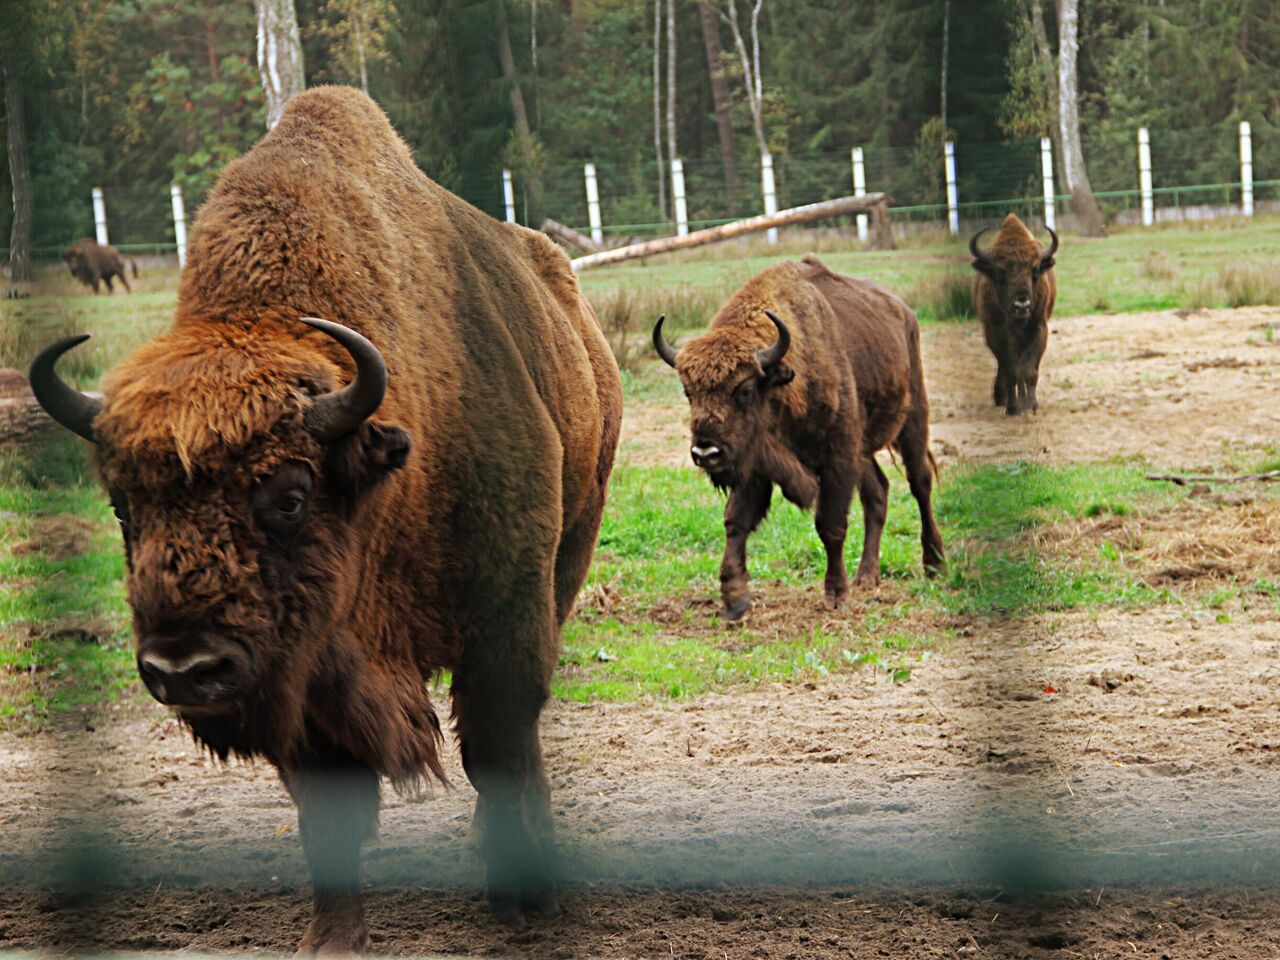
<point>452,532</point>
<point>90,263</point>
<point>1013,290</point>
<point>851,384</point>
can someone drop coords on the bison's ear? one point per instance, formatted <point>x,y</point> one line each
<point>985,266</point>
<point>778,375</point>
<point>359,461</point>
<point>1046,263</point>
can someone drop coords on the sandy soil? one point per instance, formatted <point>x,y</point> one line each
<point>1076,784</point>
<point>1184,390</point>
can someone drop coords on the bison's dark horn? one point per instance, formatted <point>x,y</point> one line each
<point>1053,247</point>
<point>337,414</point>
<point>768,356</point>
<point>68,406</point>
<point>665,350</point>
<point>973,245</point>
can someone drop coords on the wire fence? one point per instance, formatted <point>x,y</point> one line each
<point>1195,174</point>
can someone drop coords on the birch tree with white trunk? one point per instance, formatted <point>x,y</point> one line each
<point>657,108</point>
<point>279,55</point>
<point>672,150</point>
<point>1088,215</point>
<point>751,75</point>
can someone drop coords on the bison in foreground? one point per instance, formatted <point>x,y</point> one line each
<point>1013,293</point>
<point>804,375</point>
<point>319,514</point>
<point>91,262</point>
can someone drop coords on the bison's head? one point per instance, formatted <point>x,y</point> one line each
<point>75,259</point>
<point>728,379</point>
<point>235,469</point>
<point>1015,269</point>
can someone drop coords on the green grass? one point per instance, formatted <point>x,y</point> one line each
<point>658,555</point>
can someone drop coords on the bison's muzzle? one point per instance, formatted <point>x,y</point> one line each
<point>215,674</point>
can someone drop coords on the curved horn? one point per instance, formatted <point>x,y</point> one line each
<point>1053,248</point>
<point>973,245</point>
<point>68,406</point>
<point>768,356</point>
<point>335,415</point>
<point>665,350</point>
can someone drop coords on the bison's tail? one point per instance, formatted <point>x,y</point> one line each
<point>134,263</point>
<point>933,465</point>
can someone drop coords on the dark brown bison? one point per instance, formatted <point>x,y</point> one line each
<point>1013,293</point>
<point>804,375</point>
<point>319,514</point>
<point>90,262</point>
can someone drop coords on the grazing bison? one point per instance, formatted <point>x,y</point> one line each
<point>91,262</point>
<point>319,514</point>
<point>804,375</point>
<point>1013,293</point>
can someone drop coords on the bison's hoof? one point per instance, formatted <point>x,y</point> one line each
<point>733,612</point>
<point>544,905</point>
<point>333,943</point>
<point>867,579</point>
<point>836,596</point>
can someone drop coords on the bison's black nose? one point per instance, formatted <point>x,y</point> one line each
<point>191,680</point>
<point>706,454</point>
<point>1022,303</point>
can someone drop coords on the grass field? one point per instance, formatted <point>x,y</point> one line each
<point>647,622</point>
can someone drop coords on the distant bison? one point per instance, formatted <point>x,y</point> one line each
<point>1013,293</point>
<point>319,516</point>
<point>90,262</point>
<point>804,375</point>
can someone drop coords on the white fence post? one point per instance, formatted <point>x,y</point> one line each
<point>509,196</point>
<point>677,193</point>
<point>770,194</point>
<point>100,215</point>
<point>860,190</point>
<point>1144,177</point>
<point>179,223</point>
<point>1246,167</point>
<point>1046,170</point>
<point>953,197</point>
<point>593,204</point>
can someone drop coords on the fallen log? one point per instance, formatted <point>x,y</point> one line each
<point>1182,480</point>
<point>23,422</point>
<point>569,237</point>
<point>871,203</point>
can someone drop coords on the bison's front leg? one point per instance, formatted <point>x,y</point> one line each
<point>1028,377</point>
<point>337,811</point>
<point>747,506</point>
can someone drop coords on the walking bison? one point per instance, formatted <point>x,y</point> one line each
<point>318,514</point>
<point>1013,292</point>
<point>91,262</point>
<point>803,377</point>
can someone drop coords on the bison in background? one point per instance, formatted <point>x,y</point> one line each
<point>804,375</point>
<point>318,515</point>
<point>1013,292</point>
<point>91,262</point>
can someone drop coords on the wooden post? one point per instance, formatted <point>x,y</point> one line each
<point>179,223</point>
<point>1246,168</point>
<point>593,204</point>
<point>677,194</point>
<point>100,216</point>
<point>881,228</point>
<point>842,206</point>
<point>953,197</point>
<point>1046,171</point>
<point>1144,177</point>
<point>860,190</point>
<point>508,196</point>
<point>770,194</point>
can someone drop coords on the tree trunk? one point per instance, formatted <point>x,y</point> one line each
<point>364,70</point>
<point>524,136</point>
<point>657,109</point>
<point>1044,56</point>
<point>672,150</point>
<point>279,55</point>
<point>1088,215</point>
<point>946,53</point>
<point>719,93</point>
<point>19,174</point>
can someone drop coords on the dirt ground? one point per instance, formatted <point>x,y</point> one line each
<point>1183,389</point>
<point>1078,784</point>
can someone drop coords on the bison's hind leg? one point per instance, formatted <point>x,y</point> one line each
<point>913,445</point>
<point>873,490</point>
<point>124,280</point>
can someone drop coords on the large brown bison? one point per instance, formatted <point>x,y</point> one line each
<point>91,262</point>
<point>804,375</point>
<point>1013,292</point>
<point>319,514</point>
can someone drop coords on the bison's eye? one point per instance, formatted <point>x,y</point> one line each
<point>280,504</point>
<point>744,393</point>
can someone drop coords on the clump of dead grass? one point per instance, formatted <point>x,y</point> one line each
<point>942,296</point>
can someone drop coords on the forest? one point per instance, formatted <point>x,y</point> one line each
<point>133,95</point>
